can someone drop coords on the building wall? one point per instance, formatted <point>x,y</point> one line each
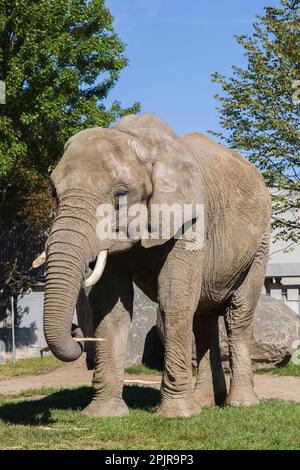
<point>283,274</point>
<point>29,335</point>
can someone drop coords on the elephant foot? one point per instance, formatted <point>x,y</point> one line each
<point>242,396</point>
<point>177,408</point>
<point>203,398</point>
<point>109,408</point>
<point>206,396</point>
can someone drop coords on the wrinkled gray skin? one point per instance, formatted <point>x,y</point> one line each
<point>144,157</point>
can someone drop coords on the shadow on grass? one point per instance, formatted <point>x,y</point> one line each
<point>37,412</point>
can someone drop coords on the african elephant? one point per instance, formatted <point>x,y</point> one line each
<point>143,160</point>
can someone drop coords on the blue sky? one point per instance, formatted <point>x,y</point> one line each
<point>173,46</point>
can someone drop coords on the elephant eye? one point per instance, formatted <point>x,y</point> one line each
<point>121,193</point>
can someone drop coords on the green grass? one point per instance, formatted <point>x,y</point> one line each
<point>290,369</point>
<point>31,393</point>
<point>54,422</point>
<point>32,366</point>
<point>140,369</point>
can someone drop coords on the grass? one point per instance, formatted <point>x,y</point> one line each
<point>290,369</point>
<point>48,418</point>
<point>54,421</point>
<point>140,369</point>
<point>32,366</point>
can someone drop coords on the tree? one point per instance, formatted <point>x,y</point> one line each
<point>59,59</point>
<point>259,109</point>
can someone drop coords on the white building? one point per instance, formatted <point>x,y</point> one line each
<point>283,274</point>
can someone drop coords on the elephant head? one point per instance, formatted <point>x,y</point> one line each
<point>140,159</point>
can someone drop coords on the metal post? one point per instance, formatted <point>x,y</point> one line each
<point>13,329</point>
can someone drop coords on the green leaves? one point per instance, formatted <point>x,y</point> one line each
<point>259,109</point>
<point>59,60</point>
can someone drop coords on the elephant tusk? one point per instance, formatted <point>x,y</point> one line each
<point>39,260</point>
<point>88,340</point>
<point>98,270</point>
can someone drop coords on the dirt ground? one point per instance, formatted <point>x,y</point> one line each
<point>75,374</point>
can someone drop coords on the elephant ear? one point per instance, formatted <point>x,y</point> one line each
<point>174,172</point>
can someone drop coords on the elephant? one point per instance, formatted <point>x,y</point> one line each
<point>141,159</point>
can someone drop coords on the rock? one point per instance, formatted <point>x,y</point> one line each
<point>275,328</point>
<point>143,344</point>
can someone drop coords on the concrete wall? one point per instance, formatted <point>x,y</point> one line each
<point>29,335</point>
<point>283,274</point>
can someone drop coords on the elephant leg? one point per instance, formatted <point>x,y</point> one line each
<point>238,320</point>
<point>178,294</point>
<point>210,385</point>
<point>112,302</point>
<point>85,323</point>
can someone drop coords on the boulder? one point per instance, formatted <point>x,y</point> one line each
<point>275,328</point>
<point>143,342</point>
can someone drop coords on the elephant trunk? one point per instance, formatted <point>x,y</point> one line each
<point>68,254</point>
